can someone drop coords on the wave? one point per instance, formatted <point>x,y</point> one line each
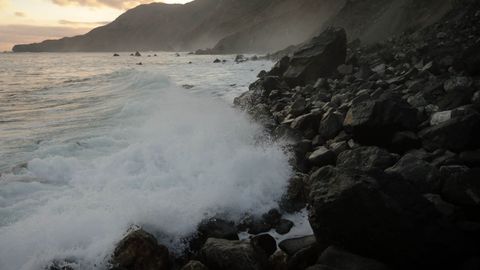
<point>167,160</point>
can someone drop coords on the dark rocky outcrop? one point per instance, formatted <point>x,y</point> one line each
<point>220,254</point>
<point>318,58</point>
<point>139,250</point>
<point>394,182</point>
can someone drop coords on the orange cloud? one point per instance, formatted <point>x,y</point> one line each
<point>118,4</point>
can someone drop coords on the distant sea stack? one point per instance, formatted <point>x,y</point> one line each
<point>243,26</point>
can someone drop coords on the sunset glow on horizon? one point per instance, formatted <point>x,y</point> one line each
<point>28,21</point>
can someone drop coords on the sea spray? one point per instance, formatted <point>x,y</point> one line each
<point>168,160</point>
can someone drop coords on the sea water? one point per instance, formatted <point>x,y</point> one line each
<point>91,145</point>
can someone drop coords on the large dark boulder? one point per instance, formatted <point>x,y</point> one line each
<point>340,259</point>
<point>421,174</point>
<point>457,134</point>
<point>318,58</point>
<point>461,186</point>
<point>139,250</point>
<point>375,122</point>
<point>380,217</point>
<point>220,254</point>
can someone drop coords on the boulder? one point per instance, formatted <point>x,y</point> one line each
<point>298,107</point>
<point>340,259</point>
<point>137,54</point>
<point>264,243</point>
<point>116,54</point>
<point>194,265</point>
<point>421,174</point>
<point>376,216</point>
<point>404,141</point>
<point>319,57</point>
<point>280,67</point>
<point>461,185</point>
<point>457,84</point>
<point>218,228</point>
<point>307,121</point>
<point>366,158</point>
<point>217,61</point>
<point>330,125</point>
<point>456,134</point>
<point>293,245</point>
<point>322,156</point>
<point>294,198</point>
<point>221,254</point>
<point>272,217</point>
<point>284,226</point>
<point>139,250</point>
<point>375,122</point>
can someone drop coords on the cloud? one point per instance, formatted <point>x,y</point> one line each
<point>4,4</point>
<point>73,23</point>
<point>22,34</point>
<point>20,14</point>
<point>118,4</point>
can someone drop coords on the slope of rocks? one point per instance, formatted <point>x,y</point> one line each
<point>387,145</point>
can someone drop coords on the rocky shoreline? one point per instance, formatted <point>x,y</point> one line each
<point>386,139</point>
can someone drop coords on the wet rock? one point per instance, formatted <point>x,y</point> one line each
<point>137,54</point>
<point>280,67</point>
<point>331,124</point>
<point>366,158</point>
<point>461,185</point>
<point>349,208</point>
<point>423,175</point>
<point>375,122</point>
<point>322,156</point>
<point>220,254</point>
<point>218,228</point>
<point>284,226</point>
<point>259,226</point>
<point>217,61</point>
<point>298,107</point>
<point>340,259</point>
<point>456,134</point>
<point>194,265</point>
<point>264,243</point>
<point>240,58</point>
<point>293,245</point>
<point>306,121</point>
<point>457,84</point>
<point>471,158</point>
<point>294,198</point>
<point>116,54</point>
<point>139,250</point>
<point>304,258</point>
<point>318,58</point>
<point>278,261</point>
<point>404,141</point>
<point>272,217</point>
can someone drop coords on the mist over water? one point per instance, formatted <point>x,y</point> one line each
<point>87,156</point>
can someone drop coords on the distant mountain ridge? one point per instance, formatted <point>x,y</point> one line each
<point>236,26</point>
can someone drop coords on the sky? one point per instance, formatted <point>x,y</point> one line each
<point>27,21</point>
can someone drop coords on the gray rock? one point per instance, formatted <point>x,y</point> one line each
<point>420,173</point>
<point>457,84</point>
<point>340,259</point>
<point>318,58</point>
<point>284,226</point>
<point>322,157</point>
<point>366,158</point>
<point>264,243</point>
<point>331,124</point>
<point>294,245</point>
<point>230,255</point>
<point>140,250</point>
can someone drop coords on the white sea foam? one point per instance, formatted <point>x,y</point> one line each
<point>167,160</point>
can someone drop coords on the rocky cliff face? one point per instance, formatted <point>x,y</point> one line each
<point>234,26</point>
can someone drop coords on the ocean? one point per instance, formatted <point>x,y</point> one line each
<point>92,145</point>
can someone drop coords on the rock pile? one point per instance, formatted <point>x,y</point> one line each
<point>387,144</point>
